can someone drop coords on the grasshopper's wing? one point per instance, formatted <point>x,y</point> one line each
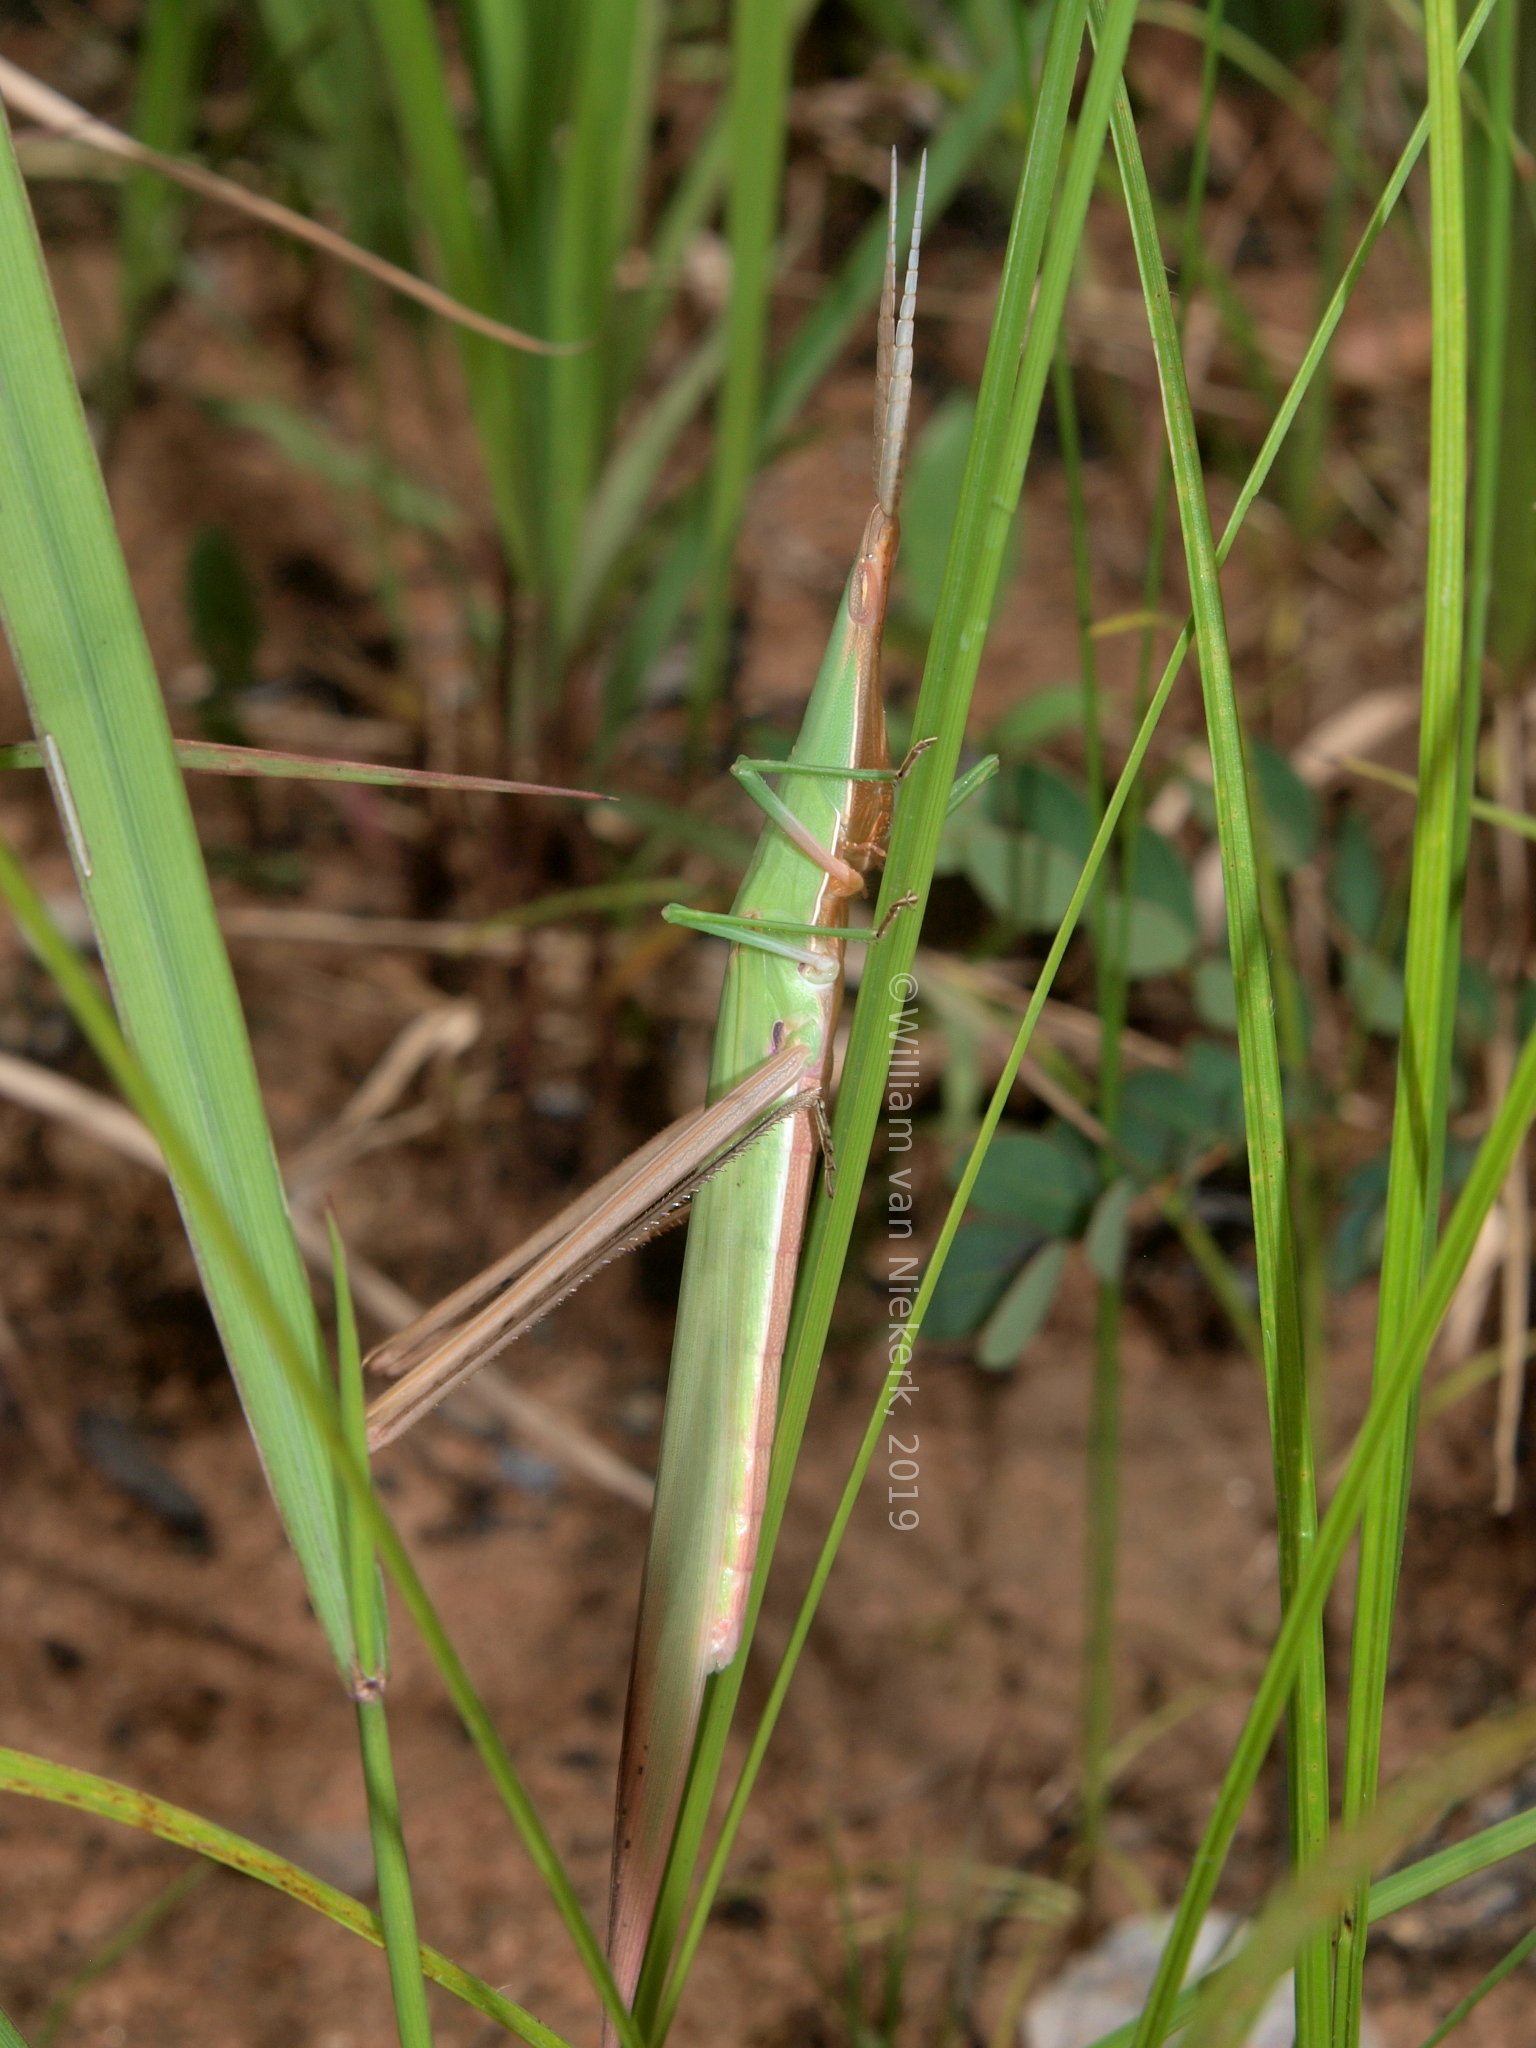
<point>629,1206</point>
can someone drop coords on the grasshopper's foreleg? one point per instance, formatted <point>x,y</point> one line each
<point>752,777</point>
<point>774,935</point>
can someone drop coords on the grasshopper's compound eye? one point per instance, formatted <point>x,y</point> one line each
<point>861,595</point>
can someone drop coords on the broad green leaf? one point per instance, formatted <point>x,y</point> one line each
<point>1476,1003</point>
<point>929,504</point>
<point>1158,942</point>
<point>1215,993</point>
<point>226,624</point>
<point>1018,875</point>
<point>1041,1181</point>
<point>309,444</point>
<point>1020,1314</point>
<point>1214,1071</point>
<point>1289,805</point>
<point>1037,800</point>
<point>984,1256</point>
<point>1161,877</point>
<point>1041,716</point>
<point>96,708</point>
<point>1376,992</point>
<point>1105,1239</point>
<point>1356,885</point>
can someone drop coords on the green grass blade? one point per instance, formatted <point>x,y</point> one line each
<point>1263,1089</point>
<point>498,45</point>
<point>397,1907</point>
<point>121,1943</point>
<point>1391,1894</point>
<point>1264,68</point>
<point>173,43</point>
<point>440,179</point>
<point>1432,960</point>
<point>211,1224</point>
<point>1227,2009</point>
<point>688,210</point>
<point>1495,209</point>
<point>1512,611</point>
<point>600,181</point>
<point>1431,1874</point>
<point>96,707</point>
<point>954,652</point>
<point>1505,1967</point>
<point>1391,1400</point>
<point>760,53</point>
<point>35,1777</point>
<point>617,505</point>
<point>720,1706</point>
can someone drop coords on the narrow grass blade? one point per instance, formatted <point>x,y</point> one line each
<point>112,1951</point>
<point>1263,1089</point>
<point>211,1224</point>
<point>1495,815</point>
<point>35,1777</point>
<point>1463,1859</point>
<point>1464,2007</point>
<point>208,757</point>
<point>1391,1400</point>
<point>601,162</point>
<point>442,185</point>
<point>96,707</point>
<point>1432,960</point>
<point>397,1908</point>
<point>760,50</point>
<point>173,42</point>
<point>1246,53</point>
<point>1227,2009</point>
<point>1390,1895</point>
<point>618,503</point>
<point>994,476</point>
<point>27,95</point>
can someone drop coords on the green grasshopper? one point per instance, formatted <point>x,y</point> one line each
<point>746,1164</point>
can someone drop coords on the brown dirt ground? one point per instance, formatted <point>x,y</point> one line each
<point>933,1720</point>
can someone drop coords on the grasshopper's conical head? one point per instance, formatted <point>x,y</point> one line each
<point>893,360</point>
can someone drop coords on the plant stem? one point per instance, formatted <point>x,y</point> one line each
<point>397,1908</point>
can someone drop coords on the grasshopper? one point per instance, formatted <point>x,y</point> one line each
<point>745,1163</point>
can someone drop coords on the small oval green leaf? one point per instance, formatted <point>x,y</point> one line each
<point>1019,1315</point>
<point>1109,1230</point>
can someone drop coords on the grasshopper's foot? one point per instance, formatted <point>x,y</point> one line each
<point>908,902</point>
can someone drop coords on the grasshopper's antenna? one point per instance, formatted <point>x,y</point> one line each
<point>893,358</point>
